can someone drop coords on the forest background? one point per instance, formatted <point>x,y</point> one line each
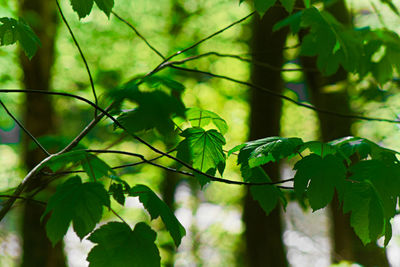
<point>212,217</point>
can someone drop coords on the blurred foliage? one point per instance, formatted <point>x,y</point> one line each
<point>117,55</point>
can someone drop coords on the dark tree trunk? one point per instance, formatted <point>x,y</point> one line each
<point>263,234</point>
<point>169,186</point>
<point>39,119</point>
<point>346,245</point>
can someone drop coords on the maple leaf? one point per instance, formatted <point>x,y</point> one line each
<point>118,246</point>
<point>156,207</point>
<point>80,203</point>
<point>319,177</point>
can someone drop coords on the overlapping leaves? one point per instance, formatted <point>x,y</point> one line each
<point>334,44</point>
<point>201,118</point>
<point>76,202</point>
<point>12,30</point>
<point>117,245</point>
<point>371,196</point>
<point>94,167</point>
<point>261,151</point>
<point>155,108</point>
<point>84,7</point>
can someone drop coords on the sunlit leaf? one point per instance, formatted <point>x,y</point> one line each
<point>201,118</point>
<point>204,149</point>
<point>262,151</point>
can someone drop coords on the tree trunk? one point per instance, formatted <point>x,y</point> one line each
<point>39,120</point>
<point>263,234</point>
<point>346,245</point>
<point>169,186</point>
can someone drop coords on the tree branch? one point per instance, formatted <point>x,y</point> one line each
<point>213,178</point>
<point>138,34</point>
<point>81,54</point>
<point>24,129</point>
<point>298,103</point>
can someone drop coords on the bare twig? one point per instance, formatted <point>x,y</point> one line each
<point>24,198</point>
<point>138,34</point>
<point>80,52</point>
<point>298,103</point>
<point>24,129</point>
<point>257,63</point>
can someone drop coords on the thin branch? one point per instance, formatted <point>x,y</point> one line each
<point>298,103</point>
<point>257,63</point>
<point>24,198</point>
<point>20,188</point>
<point>24,129</point>
<point>162,64</point>
<point>138,34</point>
<point>210,36</point>
<point>84,132</point>
<point>213,178</point>
<point>119,217</point>
<point>81,54</point>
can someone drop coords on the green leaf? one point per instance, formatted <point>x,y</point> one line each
<point>82,7</point>
<point>350,145</point>
<point>105,5</point>
<point>201,118</point>
<point>94,167</point>
<point>80,203</point>
<point>204,150</point>
<point>288,5</point>
<point>12,30</point>
<point>385,179</point>
<point>319,177</point>
<point>262,6</point>
<point>319,148</point>
<point>118,246</point>
<point>294,21</point>
<point>157,81</point>
<point>367,214</point>
<point>117,192</point>
<point>156,207</point>
<point>267,196</point>
<point>155,111</point>
<point>363,147</point>
<point>262,151</point>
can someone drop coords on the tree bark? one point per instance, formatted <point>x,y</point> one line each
<point>263,234</point>
<point>39,120</point>
<point>346,245</point>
